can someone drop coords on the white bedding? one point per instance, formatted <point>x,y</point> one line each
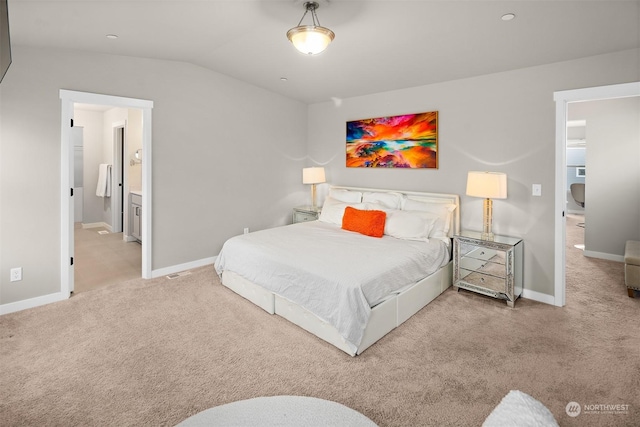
<point>336,274</point>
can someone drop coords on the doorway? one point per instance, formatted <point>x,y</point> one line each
<point>68,99</point>
<point>563,99</point>
<point>104,251</point>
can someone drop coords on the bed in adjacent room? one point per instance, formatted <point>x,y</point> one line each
<point>372,260</point>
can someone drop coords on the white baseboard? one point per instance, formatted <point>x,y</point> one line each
<point>97,225</point>
<point>538,296</point>
<point>31,303</point>
<point>182,267</point>
<point>602,255</point>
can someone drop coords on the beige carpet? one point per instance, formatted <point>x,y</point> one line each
<point>156,352</point>
<point>104,259</point>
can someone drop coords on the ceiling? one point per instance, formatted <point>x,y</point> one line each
<point>379,45</point>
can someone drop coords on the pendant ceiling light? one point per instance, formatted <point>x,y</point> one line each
<point>310,39</point>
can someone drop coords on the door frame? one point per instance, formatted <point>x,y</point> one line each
<point>68,98</point>
<point>562,99</point>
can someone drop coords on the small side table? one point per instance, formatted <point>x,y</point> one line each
<point>492,268</point>
<point>306,213</point>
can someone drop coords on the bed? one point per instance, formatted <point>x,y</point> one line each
<point>343,285</point>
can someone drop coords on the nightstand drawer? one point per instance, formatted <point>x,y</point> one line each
<point>473,251</point>
<point>483,280</point>
<point>306,213</point>
<point>304,216</point>
<point>496,269</point>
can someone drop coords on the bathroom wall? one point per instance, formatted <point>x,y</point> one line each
<point>98,140</point>
<point>92,123</point>
<point>133,143</point>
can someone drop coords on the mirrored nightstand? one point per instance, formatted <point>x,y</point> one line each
<point>492,268</point>
<point>306,213</point>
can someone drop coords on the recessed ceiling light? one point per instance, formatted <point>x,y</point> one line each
<point>112,36</point>
<point>283,79</point>
<point>508,16</point>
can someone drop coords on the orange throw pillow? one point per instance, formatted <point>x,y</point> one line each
<point>369,223</point>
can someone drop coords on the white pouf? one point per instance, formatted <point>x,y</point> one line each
<point>520,409</point>
<point>279,411</point>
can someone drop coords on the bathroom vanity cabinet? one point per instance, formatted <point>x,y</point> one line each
<point>136,216</point>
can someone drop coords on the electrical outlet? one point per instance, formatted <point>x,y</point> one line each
<point>246,230</point>
<point>536,189</point>
<point>16,274</point>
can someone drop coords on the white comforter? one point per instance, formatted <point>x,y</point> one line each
<point>338,275</point>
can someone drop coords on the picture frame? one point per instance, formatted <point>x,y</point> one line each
<point>403,141</point>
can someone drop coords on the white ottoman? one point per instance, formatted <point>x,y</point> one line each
<point>279,411</point>
<point>632,266</point>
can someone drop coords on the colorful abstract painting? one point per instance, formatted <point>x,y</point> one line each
<point>407,141</point>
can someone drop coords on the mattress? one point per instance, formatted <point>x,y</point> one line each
<point>338,275</point>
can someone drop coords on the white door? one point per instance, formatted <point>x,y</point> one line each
<point>76,137</point>
<point>78,170</point>
<point>117,175</point>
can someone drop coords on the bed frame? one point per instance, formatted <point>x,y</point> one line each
<point>384,317</point>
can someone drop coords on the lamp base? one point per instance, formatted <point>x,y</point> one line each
<point>487,215</point>
<point>313,196</point>
<point>487,236</point>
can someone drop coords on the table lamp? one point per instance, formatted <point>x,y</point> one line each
<point>313,176</point>
<point>488,185</point>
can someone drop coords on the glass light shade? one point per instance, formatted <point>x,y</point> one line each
<point>310,39</point>
<point>313,175</point>
<point>489,185</point>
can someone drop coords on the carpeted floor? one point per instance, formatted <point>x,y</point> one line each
<point>156,352</point>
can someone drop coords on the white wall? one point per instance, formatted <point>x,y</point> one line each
<point>612,187</point>
<point>500,122</point>
<point>226,155</point>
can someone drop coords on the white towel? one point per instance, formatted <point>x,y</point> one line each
<point>104,181</point>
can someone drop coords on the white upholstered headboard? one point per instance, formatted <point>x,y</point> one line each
<point>422,197</point>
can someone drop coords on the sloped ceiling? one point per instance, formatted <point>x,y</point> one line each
<point>379,45</point>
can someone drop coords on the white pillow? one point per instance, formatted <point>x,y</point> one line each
<point>409,225</point>
<point>389,200</point>
<point>520,409</point>
<point>377,207</point>
<point>444,211</point>
<point>333,210</point>
<point>346,196</point>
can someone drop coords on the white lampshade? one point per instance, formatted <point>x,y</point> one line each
<point>314,175</point>
<point>310,39</point>
<point>488,185</point>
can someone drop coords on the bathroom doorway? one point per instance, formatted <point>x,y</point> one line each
<point>105,210</point>
<point>105,252</point>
